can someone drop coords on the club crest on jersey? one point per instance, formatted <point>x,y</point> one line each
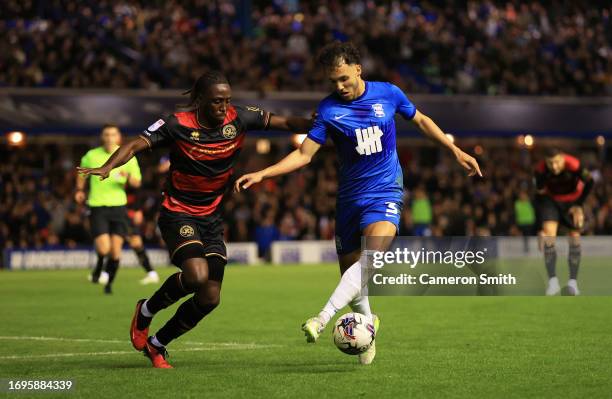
<point>186,231</point>
<point>195,136</point>
<point>379,111</point>
<point>229,131</point>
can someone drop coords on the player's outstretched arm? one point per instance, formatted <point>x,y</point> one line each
<point>295,160</point>
<point>429,128</point>
<point>290,123</point>
<point>119,157</point>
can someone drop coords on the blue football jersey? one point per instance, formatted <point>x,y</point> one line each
<point>363,131</point>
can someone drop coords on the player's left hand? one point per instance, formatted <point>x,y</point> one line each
<point>101,171</point>
<point>577,215</point>
<point>247,181</point>
<point>468,162</point>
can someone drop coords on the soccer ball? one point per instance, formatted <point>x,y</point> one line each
<point>353,333</point>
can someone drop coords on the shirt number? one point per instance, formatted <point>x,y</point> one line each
<point>391,209</point>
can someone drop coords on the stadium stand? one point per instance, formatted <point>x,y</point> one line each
<point>492,47</point>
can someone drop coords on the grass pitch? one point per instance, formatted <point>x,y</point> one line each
<point>56,325</point>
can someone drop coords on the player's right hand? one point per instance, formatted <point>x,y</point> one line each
<point>247,181</point>
<point>101,171</point>
<point>577,215</point>
<point>79,196</point>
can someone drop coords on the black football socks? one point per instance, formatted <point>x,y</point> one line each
<point>187,316</point>
<point>573,260</point>
<point>143,259</point>
<point>95,275</point>
<point>112,265</point>
<point>170,291</point>
<point>550,259</point>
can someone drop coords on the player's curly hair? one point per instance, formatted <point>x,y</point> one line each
<point>201,85</point>
<point>333,54</point>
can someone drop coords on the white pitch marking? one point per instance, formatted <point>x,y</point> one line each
<point>117,341</point>
<point>211,346</point>
<point>55,355</point>
<point>102,341</point>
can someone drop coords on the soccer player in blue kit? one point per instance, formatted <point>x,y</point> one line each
<point>359,118</point>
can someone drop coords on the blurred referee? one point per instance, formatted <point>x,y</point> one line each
<point>107,201</point>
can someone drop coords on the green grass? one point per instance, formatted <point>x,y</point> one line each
<point>435,347</point>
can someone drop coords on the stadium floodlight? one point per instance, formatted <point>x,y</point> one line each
<point>262,146</point>
<point>15,139</point>
<point>520,140</point>
<point>529,140</point>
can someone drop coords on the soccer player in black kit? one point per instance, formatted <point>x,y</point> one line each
<point>204,138</point>
<point>563,185</point>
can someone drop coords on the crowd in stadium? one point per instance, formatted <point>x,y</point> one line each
<point>37,207</point>
<point>490,47</point>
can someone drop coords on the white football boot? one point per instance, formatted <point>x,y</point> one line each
<point>572,287</point>
<point>102,279</point>
<point>151,278</point>
<point>553,287</point>
<point>368,356</point>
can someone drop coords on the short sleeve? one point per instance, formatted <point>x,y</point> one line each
<point>157,134</point>
<point>318,131</point>
<point>403,105</point>
<point>255,118</point>
<point>133,169</point>
<point>86,161</point>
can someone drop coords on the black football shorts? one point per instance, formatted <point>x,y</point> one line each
<point>551,210</point>
<point>188,236</point>
<point>108,220</point>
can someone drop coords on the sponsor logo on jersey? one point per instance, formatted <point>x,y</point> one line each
<point>229,131</point>
<point>195,136</point>
<point>379,111</point>
<point>337,117</point>
<point>156,125</point>
<point>186,231</point>
<point>368,140</point>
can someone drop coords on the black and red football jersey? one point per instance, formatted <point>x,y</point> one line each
<point>202,159</point>
<point>571,185</point>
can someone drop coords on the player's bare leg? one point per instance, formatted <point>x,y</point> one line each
<point>549,236</point>
<point>112,264</point>
<point>573,260</point>
<point>102,244</point>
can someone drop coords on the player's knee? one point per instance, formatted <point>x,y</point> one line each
<point>195,273</point>
<point>209,299</point>
<point>102,252</point>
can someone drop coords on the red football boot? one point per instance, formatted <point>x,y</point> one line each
<point>156,355</point>
<point>138,337</point>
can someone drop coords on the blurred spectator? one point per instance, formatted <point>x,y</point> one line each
<point>491,47</point>
<point>37,211</point>
<point>524,214</point>
<point>421,213</point>
<point>266,232</point>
